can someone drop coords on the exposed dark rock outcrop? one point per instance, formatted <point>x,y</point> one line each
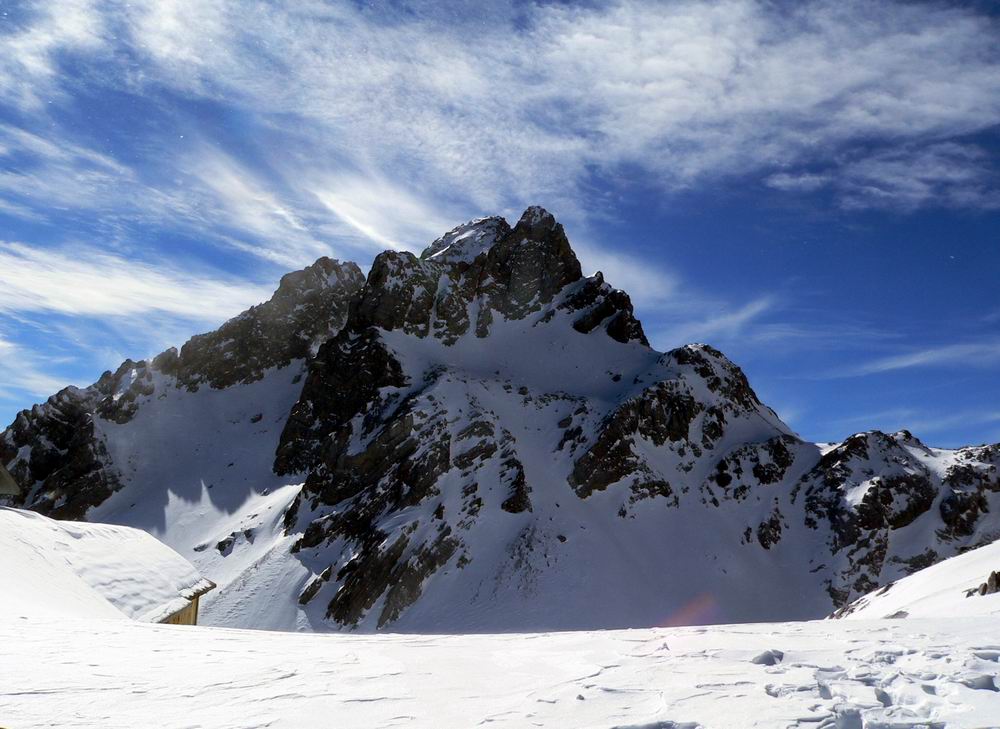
<point>309,306</point>
<point>58,456</point>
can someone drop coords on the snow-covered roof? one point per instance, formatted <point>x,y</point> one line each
<point>66,568</point>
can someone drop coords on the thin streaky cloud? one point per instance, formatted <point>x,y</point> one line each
<point>84,281</point>
<point>967,354</point>
<point>550,96</point>
<point>918,421</point>
<point>23,371</point>
<point>726,324</point>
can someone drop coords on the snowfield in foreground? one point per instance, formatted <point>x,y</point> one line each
<point>830,674</point>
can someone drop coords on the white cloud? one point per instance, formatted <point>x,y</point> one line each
<point>39,174</point>
<point>29,54</point>
<point>723,324</point>
<point>23,371</point>
<point>687,92</point>
<point>647,285</point>
<point>801,182</point>
<point>386,215</point>
<point>972,354</point>
<point>225,194</point>
<point>944,174</point>
<point>383,129</point>
<point>84,281</point>
<point>920,421</point>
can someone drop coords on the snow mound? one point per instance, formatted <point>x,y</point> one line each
<point>947,589</point>
<point>60,568</point>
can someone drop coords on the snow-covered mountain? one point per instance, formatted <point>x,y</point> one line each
<point>481,438</point>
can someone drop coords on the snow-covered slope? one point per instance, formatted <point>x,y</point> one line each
<point>962,586</point>
<point>828,675</point>
<point>478,439</point>
<point>69,569</point>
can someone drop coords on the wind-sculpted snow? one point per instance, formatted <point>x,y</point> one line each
<point>485,441</point>
<point>833,674</point>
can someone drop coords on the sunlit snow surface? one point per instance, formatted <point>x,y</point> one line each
<point>65,568</point>
<point>946,588</point>
<point>832,674</point>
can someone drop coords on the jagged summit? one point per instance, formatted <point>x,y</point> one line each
<point>538,217</point>
<point>502,273</point>
<point>308,307</point>
<point>481,438</point>
<point>464,243</point>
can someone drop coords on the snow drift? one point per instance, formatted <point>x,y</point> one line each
<point>70,569</point>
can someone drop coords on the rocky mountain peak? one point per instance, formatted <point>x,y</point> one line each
<point>485,270</point>
<point>527,274</point>
<point>536,216</point>
<point>308,307</point>
<point>530,265</point>
<point>324,274</point>
<point>467,241</point>
<point>720,374</point>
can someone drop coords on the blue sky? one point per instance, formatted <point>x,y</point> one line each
<point>811,187</point>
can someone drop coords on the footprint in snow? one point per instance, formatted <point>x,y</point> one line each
<point>982,682</point>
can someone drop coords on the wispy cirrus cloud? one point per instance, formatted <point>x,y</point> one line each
<point>944,175</point>
<point>25,372</point>
<point>684,93</point>
<point>33,43</point>
<point>386,214</point>
<point>70,312</point>
<point>87,282</point>
<point>39,175</point>
<point>968,354</point>
<point>674,89</point>
<point>919,421</point>
<point>725,323</point>
<point>648,285</point>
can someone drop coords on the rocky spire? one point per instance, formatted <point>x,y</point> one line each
<point>464,243</point>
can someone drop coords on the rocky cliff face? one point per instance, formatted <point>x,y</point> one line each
<point>485,440</point>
